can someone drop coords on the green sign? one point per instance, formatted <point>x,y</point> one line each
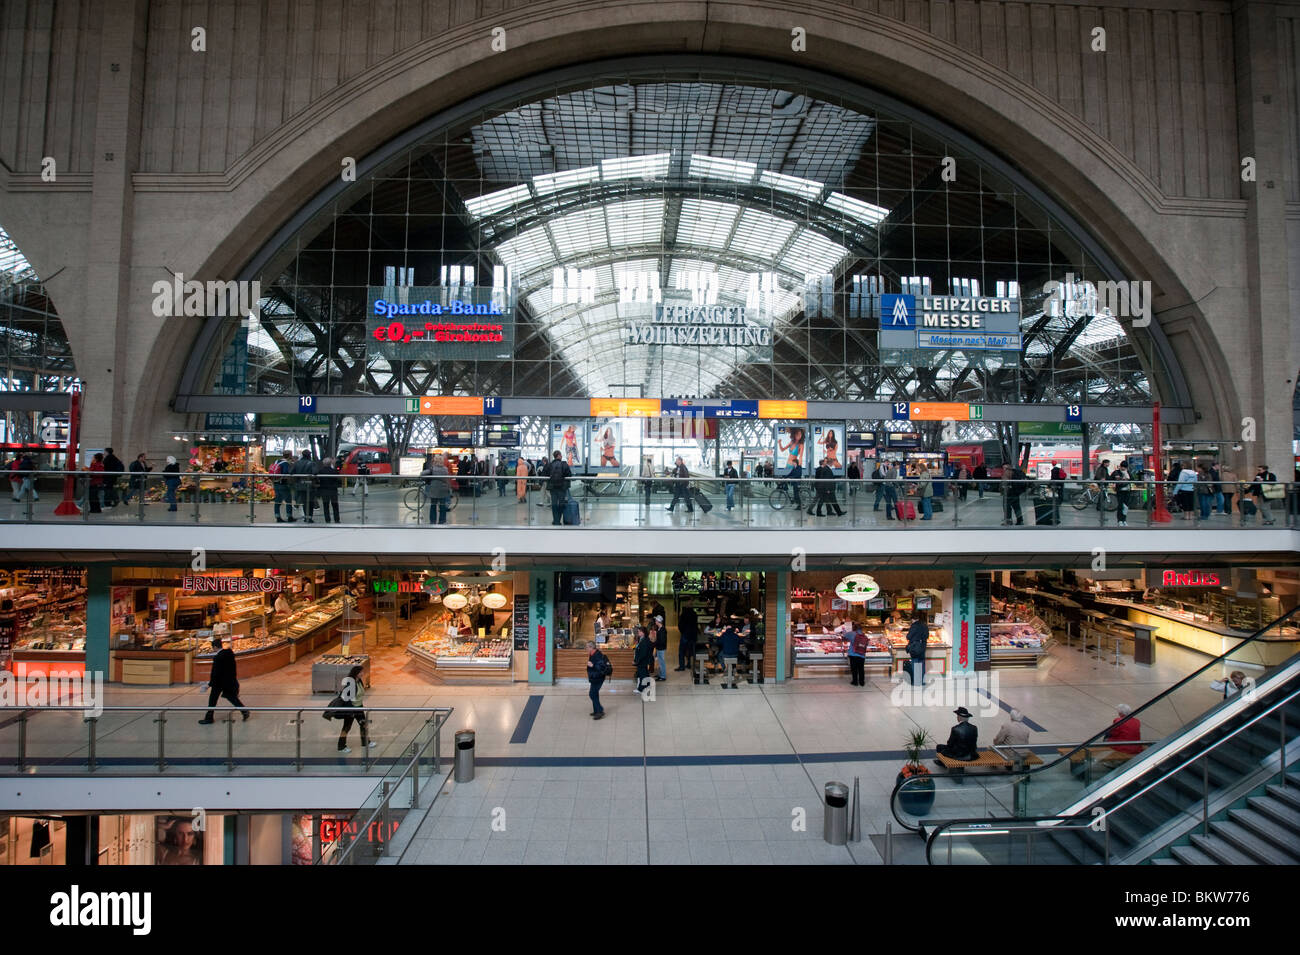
<point>976,412</point>
<point>275,421</point>
<point>412,405</point>
<point>1050,429</point>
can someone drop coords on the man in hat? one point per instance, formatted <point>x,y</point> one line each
<point>222,680</point>
<point>961,741</point>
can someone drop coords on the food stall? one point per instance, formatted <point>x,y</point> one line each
<point>50,618</point>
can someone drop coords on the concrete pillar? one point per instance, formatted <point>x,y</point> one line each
<point>1261,103</point>
<point>778,630</point>
<point>99,617</point>
<point>541,629</point>
<point>104,362</point>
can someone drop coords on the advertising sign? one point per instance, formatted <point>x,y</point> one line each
<point>567,437</point>
<point>606,444</point>
<point>434,322</point>
<point>790,448</point>
<point>982,323</point>
<point>828,443</point>
<point>707,328</point>
<point>857,588</point>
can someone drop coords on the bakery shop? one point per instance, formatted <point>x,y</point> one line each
<point>43,619</point>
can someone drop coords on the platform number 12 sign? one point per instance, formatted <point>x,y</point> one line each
<point>901,411</point>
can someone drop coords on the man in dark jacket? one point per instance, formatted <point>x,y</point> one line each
<point>596,673</point>
<point>222,680</point>
<point>113,468</point>
<point>327,489</point>
<point>1058,492</point>
<point>644,658</point>
<point>826,490</point>
<point>981,476</point>
<point>305,485</point>
<point>283,485</point>
<point>689,625</point>
<point>961,741</point>
<point>729,472</point>
<point>661,647</point>
<point>681,486</point>
<point>918,635</point>
<point>558,474</point>
<point>729,649</point>
<point>139,468</point>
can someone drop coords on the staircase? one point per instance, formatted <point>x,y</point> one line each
<point>1265,830</point>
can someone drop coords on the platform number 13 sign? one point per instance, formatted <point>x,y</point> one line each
<point>1074,412</point>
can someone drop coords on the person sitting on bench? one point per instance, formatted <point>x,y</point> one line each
<point>961,743</point>
<point>1124,727</point>
<point>1014,733</point>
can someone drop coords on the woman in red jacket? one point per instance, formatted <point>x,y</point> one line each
<point>1124,727</point>
<point>96,492</point>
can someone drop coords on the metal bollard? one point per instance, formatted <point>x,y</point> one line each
<point>836,826</point>
<point>464,756</point>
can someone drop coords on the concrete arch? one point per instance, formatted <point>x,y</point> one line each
<point>1173,243</point>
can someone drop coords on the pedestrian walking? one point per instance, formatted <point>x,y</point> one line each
<point>730,477</point>
<point>857,641</point>
<point>521,480</point>
<point>113,470</point>
<point>437,488</point>
<point>925,491</point>
<point>557,480</point>
<point>223,680</point>
<point>918,637</point>
<point>304,474</point>
<point>136,484</point>
<point>282,483</point>
<point>661,647</point>
<point>95,490</point>
<point>351,694</point>
<point>688,623</point>
<point>681,486</point>
<point>327,489</point>
<point>643,657</point>
<point>598,670</point>
<point>172,481</point>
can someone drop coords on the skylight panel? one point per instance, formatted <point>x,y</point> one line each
<point>554,182</point>
<point>759,235</point>
<point>527,252</point>
<point>635,223</point>
<point>705,224</point>
<point>493,202</point>
<point>804,188</point>
<point>864,212</point>
<point>635,167</point>
<point>712,167</point>
<point>580,232</point>
<point>812,253</point>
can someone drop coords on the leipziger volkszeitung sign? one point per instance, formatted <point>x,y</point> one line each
<point>703,326</point>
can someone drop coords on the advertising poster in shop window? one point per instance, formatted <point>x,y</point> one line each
<point>177,841</point>
<point>568,438</point>
<point>828,443</point>
<point>791,448</point>
<point>606,444</point>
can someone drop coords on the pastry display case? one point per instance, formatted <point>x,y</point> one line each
<point>436,651</point>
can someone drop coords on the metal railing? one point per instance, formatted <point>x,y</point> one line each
<point>625,501</point>
<point>380,808</point>
<point>48,740</point>
<point>1044,791</point>
<point>980,831</point>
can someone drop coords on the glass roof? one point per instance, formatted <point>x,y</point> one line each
<point>605,201</point>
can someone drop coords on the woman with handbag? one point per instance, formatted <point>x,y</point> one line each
<point>351,694</point>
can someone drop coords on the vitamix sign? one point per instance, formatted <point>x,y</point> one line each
<point>434,322</point>
<point>705,326</point>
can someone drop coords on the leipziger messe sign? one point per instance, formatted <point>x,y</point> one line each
<point>971,323</point>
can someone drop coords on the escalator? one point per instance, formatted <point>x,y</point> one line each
<point>1218,788</point>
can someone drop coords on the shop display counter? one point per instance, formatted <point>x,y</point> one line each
<point>1195,631</point>
<point>462,660</point>
<point>328,673</point>
<point>150,667</point>
<point>40,662</point>
<point>572,663</point>
<point>827,654</point>
<point>1020,643</point>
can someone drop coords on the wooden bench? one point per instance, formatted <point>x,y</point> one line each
<point>985,760</point>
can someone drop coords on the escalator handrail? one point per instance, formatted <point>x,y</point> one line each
<point>1099,737</point>
<point>1044,822</point>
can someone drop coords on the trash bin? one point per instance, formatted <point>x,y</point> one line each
<point>464,756</point>
<point>836,830</point>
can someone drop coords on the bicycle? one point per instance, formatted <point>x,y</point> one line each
<point>784,496</point>
<point>417,498</point>
<point>1090,495</point>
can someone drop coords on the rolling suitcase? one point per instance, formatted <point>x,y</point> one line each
<point>702,501</point>
<point>572,515</point>
<point>1044,512</point>
<point>906,510</point>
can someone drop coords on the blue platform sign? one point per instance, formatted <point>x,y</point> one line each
<point>1074,412</point>
<point>492,406</point>
<point>306,404</point>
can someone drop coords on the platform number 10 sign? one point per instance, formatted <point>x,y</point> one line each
<point>306,404</point>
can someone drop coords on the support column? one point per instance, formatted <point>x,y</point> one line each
<point>778,629</point>
<point>99,618</point>
<point>541,629</point>
<point>1268,388</point>
<point>104,363</point>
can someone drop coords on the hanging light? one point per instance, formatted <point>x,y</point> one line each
<point>494,601</point>
<point>455,601</point>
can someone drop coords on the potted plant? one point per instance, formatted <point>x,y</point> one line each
<point>918,797</point>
